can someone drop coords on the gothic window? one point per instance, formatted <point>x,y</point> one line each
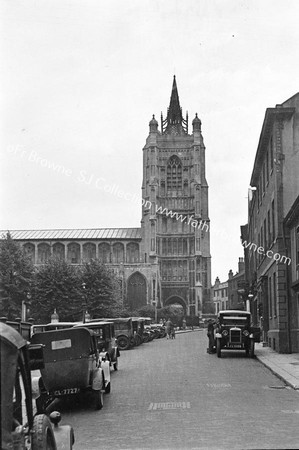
<point>180,246</point>
<point>132,252</point>
<point>89,251</point>
<point>185,270</point>
<point>163,188</point>
<point>118,253</point>
<point>169,249</point>
<point>185,247</point>
<point>43,253</point>
<point>73,253</point>
<point>175,246</point>
<point>58,251</point>
<point>164,247</point>
<point>175,226</point>
<point>29,250</point>
<point>174,174</point>
<point>104,253</point>
<point>136,290</point>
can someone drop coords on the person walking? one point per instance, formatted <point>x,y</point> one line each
<point>168,328</point>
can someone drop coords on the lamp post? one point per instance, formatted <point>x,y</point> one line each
<point>248,300</point>
<point>24,306</point>
<point>84,303</point>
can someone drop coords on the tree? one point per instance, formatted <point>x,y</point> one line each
<point>57,285</point>
<point>102,290</point>
<point>16,272</point>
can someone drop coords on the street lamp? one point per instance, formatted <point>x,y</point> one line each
<point>84,303</point>
<point>24,306</point>
<point>250,297</point>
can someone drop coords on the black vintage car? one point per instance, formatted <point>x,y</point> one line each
<point>105,338</point>
<point>21,427</point>
<point>72,366</point>
<point>123,331</point>
<point>234,332</point>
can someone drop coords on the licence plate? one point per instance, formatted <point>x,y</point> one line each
<point>66,391</point>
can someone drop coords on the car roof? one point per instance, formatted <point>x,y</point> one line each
<point>230,312</point>
<point>11,335</point>
<point>88,324</point>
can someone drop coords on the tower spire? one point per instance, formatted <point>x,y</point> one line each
<point>174,122</point>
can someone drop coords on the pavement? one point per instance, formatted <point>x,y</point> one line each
<point>284,366</point>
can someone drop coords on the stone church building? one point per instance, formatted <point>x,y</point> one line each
<point>167,260</point>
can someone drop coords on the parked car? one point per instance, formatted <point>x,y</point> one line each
<point>234,332</point>
<point>20,428</point>
<point>123,331</point>
<point>52,326</point>
<point>106,341</point>
<point>72,366</point>
<point>138,329</point>
<point>148,329</point>
<point>159,330</point>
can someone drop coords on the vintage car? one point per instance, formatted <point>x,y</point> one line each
<point>72,366</point>
<point>105,337</point>
<point>138,329</point>
<point>149,332</point>
<point>159,330</point>
<point>52,326</point>
<point>21,428</point>
<point>123,331</point>
<point>234,332</point>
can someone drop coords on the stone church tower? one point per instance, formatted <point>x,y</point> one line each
<point>175,227</point>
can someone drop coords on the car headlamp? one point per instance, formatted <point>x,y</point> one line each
<point>246,333</point>
<point>224,333</point>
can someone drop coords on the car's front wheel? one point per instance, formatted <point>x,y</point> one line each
<point>218,348</point>
<point>42,436</point>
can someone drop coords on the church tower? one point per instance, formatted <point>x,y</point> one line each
<point>175,224</point>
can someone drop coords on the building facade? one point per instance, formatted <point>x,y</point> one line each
<point>271,232</point>
<point>236,287</point>
<point>167,260</point>
<point>220,295</point>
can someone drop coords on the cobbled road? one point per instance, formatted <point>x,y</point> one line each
<point>171,394</point>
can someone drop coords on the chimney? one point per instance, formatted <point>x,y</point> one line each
<point>241,265</point>
<point>230,274</point>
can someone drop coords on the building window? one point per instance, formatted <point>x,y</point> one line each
<point>59,251</point>
<point>132,252</point>
<point>174,174</point>
<point>270,296</point>
<point>29,250</point>
<point>104,253</point>
<point>118,253</point>
<point>73,253</point>
<point>273,221</point>
<point>274,295</point>
<point>89,251</point>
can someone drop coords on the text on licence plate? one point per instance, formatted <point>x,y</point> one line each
<point>66,391</point>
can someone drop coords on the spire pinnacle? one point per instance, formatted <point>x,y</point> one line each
<point>174,122</point>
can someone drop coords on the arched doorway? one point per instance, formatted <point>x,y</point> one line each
<point>176,300</point>
<point>136,291</point>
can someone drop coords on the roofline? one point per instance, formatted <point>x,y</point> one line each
<point>271,115</point>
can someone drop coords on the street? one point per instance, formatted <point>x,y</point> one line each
<point>171,394</point>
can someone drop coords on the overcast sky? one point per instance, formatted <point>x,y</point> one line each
<point>80,80</point>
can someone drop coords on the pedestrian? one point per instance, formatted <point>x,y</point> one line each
<point>211,337</point>
<point>184,324</point>
<point>169,328</point>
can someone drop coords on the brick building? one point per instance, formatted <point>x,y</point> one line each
<point>220,295</point>
<point>167,260</point>
<point>272,231</point>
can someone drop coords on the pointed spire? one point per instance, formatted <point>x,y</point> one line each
<point>174,122</point>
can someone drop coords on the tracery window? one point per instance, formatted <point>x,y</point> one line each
<point>174,174</point>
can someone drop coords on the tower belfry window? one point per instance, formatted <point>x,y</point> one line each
<point>174,174</point>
